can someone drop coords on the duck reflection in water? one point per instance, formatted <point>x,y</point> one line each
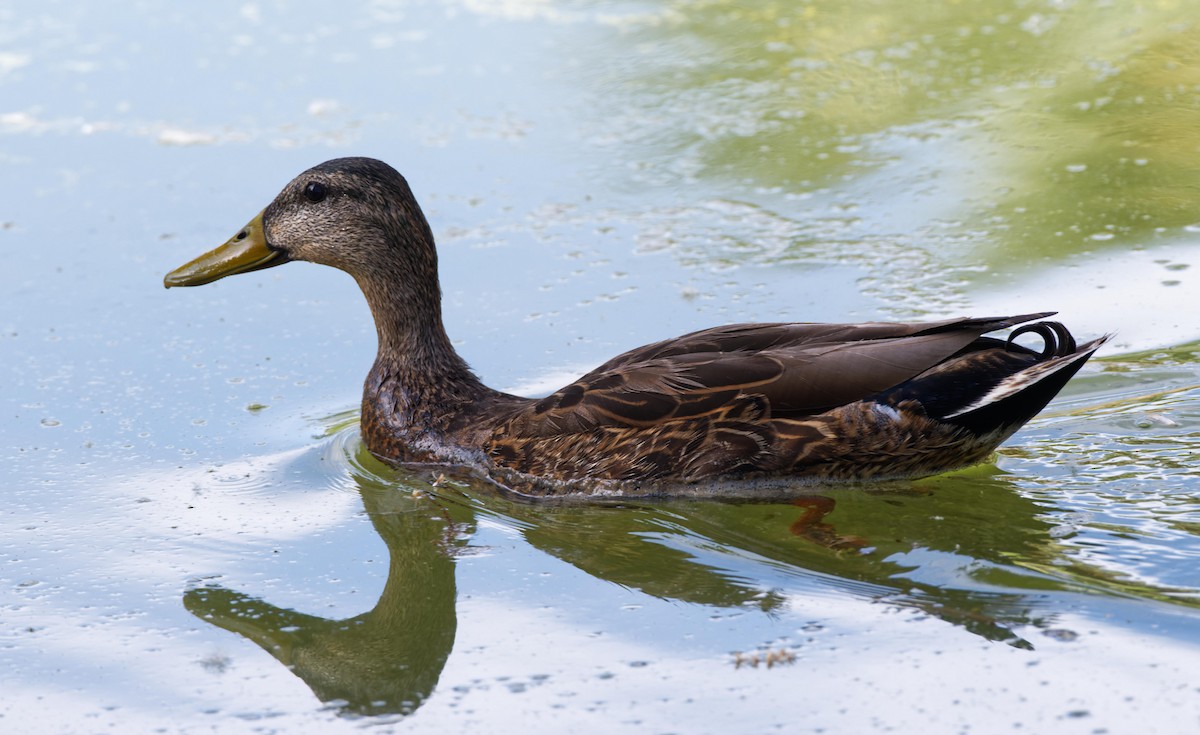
<point>387,660</point>
<point>978,570</point>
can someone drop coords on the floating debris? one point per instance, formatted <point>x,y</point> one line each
<point>770,658</point>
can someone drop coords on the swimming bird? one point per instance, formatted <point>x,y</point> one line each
<point>750,410</point>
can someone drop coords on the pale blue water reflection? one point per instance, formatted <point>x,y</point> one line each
<point>193,539</point>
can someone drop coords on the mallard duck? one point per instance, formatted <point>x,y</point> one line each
<point>742,410</point>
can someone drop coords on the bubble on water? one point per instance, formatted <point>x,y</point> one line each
<point>321,107</point>
<point>183,138</point>
<point>1158,419</point>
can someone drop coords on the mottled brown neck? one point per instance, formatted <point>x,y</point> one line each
<point>408,323</point>
<point>421,401</point>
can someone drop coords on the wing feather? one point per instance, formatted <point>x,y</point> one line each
<point>794,370</point>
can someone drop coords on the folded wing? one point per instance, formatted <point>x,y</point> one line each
<point>788,370</point>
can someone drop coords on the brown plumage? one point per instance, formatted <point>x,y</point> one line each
<point>744,409</point>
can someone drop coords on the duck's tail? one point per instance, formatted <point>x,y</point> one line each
<point>993,386</point>
<point>1019,395</point>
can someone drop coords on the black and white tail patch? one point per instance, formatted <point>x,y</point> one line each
<point>1023,380</point>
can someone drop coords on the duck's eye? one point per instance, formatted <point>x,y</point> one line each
<point>315,191</point>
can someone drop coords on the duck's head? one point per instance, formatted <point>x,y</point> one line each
<point>355,214</point>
